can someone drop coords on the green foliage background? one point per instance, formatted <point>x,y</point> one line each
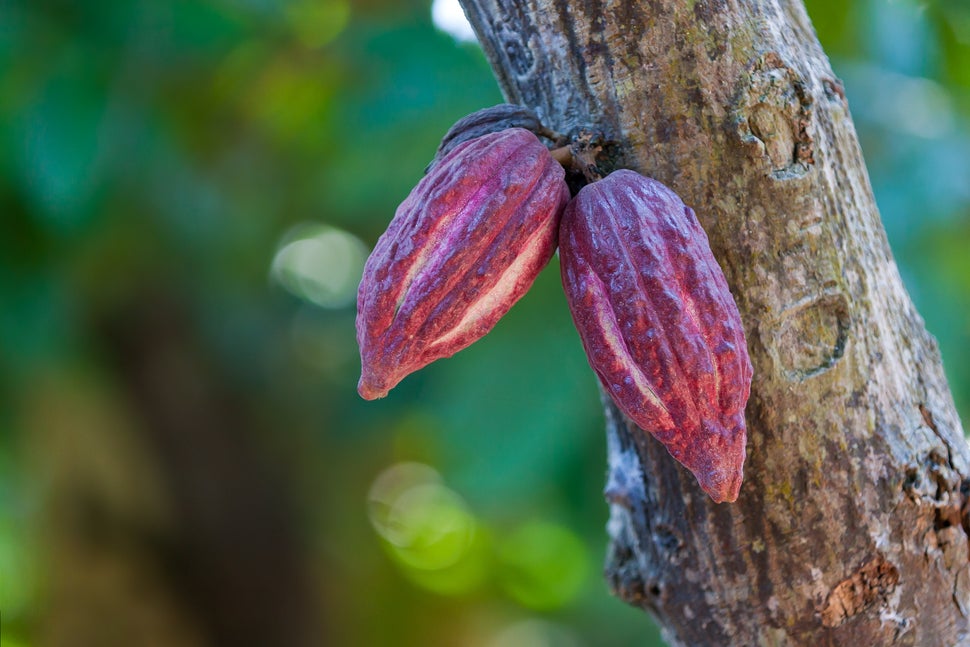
<point>183,457</point>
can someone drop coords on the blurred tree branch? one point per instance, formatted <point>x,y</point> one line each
<point>852,524</point>
<point>168,511</point>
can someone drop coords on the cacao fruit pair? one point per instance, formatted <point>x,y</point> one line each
<point>652,307</point>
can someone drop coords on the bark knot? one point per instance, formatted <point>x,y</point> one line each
<point>816,330</point>
<point>773,116</point>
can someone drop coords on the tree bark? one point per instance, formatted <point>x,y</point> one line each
<point>851,527</point>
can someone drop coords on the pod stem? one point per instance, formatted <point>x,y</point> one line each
<point>563,155</point>
<point>584,151</point>
<point>579,156</point>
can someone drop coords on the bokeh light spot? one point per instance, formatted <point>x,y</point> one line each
<point>543,565</point>
<point>388,487</point>
<point>449,17</point>
<point>434,527</point>
<point>320,264</point>
<point>428,529</point>
<point>317,22</point>
<point>535,633</point>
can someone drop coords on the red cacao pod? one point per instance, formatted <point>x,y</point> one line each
<point>658,322</point>
<point>462,248</point>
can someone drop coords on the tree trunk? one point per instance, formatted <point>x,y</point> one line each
<point>851,527</point>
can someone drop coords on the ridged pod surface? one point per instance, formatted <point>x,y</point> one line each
<point>658,322</point>
<point>482,122</point>
<point>463,247</point>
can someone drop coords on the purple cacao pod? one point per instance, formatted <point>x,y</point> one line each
<point>462,248</point>
<point>658,322</point>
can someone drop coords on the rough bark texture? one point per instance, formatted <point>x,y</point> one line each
<point>851,526</point>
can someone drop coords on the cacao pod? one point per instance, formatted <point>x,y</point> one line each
<point>461,249</point>
<point>485,121</point>
<point>658,322</point>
